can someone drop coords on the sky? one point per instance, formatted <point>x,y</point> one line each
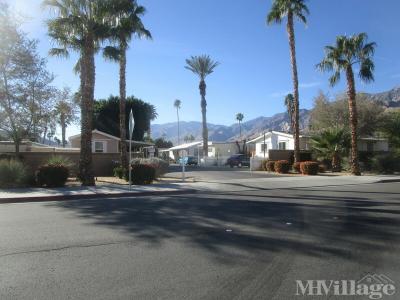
<point>254,74</point>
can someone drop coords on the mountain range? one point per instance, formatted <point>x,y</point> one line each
<point>251,128</point>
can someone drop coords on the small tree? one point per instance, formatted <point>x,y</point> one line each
<point>177,105</point>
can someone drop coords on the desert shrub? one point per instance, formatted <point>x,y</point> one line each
<point>296,167</point>
<point>282,166</point>
<point>119,172</point>
<point>59,160</point>
<point>322,168</point>
<point>160,165</point>
<point>309,168</point>
<point>386,163</point>
<point>52,175</point>
<point>143,174</point>
<point>264,165</point>
<point>270,165</point>
<point>12,173</point>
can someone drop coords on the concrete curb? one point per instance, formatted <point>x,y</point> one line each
<point>93,196</point>
<point>388,180</point>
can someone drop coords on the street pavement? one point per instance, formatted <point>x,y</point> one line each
<point>252,242</point>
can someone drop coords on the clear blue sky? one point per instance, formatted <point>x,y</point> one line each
<point>254,74</point>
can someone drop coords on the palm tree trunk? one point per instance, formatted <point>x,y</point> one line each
<point>177,116</point>
<point>240,129</point>
<point>122,104</point>
<point>351,93</point>
<point>63,127</point>
<point>292,44</point>
<point>87,87</point>
<point>203,104</point>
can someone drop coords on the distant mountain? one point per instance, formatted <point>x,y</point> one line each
<point>219,133</point>
<point>251,128</point>
<point>389,99</point>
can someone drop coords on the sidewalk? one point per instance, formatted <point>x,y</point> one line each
<point>80,192</point>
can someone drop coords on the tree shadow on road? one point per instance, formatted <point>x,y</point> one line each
<point>231,228</point>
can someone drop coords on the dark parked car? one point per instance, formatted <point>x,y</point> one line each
<point>238,160</point>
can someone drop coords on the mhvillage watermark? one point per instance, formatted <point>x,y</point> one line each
<point>373,286</point>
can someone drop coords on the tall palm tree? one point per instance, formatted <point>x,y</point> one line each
<point>239,118</point>
<point>177,105</point>
<point>125,16</point>
<point>80,26</point>
<point>202,66</point>
<point>289,103</point>
<point>292,9</point>
<point>347,52</point>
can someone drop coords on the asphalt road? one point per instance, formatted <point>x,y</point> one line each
<point>242,245</point>
<point>216,173</point>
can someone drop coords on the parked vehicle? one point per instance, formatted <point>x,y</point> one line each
<point>188,160</point>
<point>238,160</point>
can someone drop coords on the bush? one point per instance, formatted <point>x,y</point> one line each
<point>282,166</point>
<point>143,174</point>
<point>309,168</point>
<point>160,165</point>
<point>119,172</point>
<point>270,165</point>
<point>264,165</point>
<point>296,167</point>
<point>52,175</point>
<point>386,163</point>
<point>60,161</point>
<point>12,173</point>
<point>322,168</point>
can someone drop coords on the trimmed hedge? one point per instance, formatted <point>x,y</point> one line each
<point>282,166</point>
<point>386,163</point>
<point>309,168</point>
<point>52,175</point>
<point>296,167</point>
<point>143,174</point>
<point>270,165</point>
<point>160,165</point>
<point>12,174</point>
<point>120,172</point>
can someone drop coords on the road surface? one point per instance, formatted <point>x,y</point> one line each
<point>251,244</point>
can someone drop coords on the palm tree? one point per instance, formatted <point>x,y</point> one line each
<point>80,25</point>
<point>125,16</point>
<point>202,66</point>
<point>331,144</point>
<point>177,105</point>
<point>291,9</point>
<point>289,103</point>
<point>65,112</point>
<point>189,138</point>
<point>347,52</point>
<point>239,118</point>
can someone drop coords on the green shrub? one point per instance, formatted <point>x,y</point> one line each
<point>59,160</point>
<point>52,175</point>
<point>296,167</point>
<point>120,172</point>
<point>309,168</point>
<point>12,173</point>
<point>322,168</point>
<point>143,174</point>
<point>270,166</point>
<point>282,166</point>
<point>386,163</point>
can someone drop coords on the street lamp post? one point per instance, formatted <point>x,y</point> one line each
<point>131,126</point>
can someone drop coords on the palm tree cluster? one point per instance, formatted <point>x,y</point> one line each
<point>341,57</point>
<point>87,27</point>
<point>239,118</point>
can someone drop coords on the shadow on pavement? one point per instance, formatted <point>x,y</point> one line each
<point>312,229</point>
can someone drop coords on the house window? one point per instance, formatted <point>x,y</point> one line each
<point>98,147</point>
<point>264,147</point>
<point>282,145</point>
